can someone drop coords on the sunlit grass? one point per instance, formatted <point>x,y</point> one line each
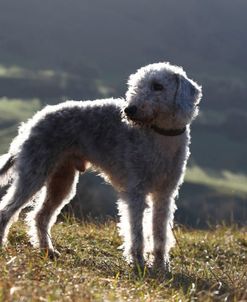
<point>206,266</point>
<point>12,113</point>
<point>224,181</point>
<point>17,109</point>
<point>18,72</point>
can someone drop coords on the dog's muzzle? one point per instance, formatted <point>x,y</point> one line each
<point>130,111</point>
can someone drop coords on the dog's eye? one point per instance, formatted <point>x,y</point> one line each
<point>157,86</point>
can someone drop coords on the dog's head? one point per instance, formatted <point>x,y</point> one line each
<point>162,95</point>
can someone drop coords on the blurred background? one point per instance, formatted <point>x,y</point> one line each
<point>55,50</point>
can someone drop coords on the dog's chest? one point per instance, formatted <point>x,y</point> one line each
<point>167,161</point>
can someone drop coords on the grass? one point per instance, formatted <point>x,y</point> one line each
<point>17,109</point>
<point>223,182</point>
<point>17,72</point>
<point>206,266</point>
<point>12,113</point>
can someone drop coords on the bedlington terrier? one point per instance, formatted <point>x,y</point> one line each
<point>139,144</point>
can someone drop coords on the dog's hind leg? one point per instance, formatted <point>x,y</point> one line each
<point>60,189</point>
<point>17,197</point>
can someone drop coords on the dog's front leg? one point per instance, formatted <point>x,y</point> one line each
<point>163,213</point>
<point>131,209</point>
<point>136,209</point>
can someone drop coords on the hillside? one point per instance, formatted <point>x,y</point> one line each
<point>206,266</point>
<point>51,51</point>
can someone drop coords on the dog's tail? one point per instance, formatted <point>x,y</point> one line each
<point>6,163</point>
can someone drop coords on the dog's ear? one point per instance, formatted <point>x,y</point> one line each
<point>188,91</point>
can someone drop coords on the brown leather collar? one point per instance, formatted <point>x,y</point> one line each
<point>168,132</point>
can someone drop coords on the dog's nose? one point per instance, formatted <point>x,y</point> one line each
<point>130,110</point>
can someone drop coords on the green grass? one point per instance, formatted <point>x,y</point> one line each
<point>224,182</point>
<point>12,113</point>
<point>206,266</point>
<point>16,109</point>
<point>18,72</point>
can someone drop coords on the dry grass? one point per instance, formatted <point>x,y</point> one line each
<point>206,266</point>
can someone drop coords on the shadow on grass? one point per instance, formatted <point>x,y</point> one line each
<point>107,266</point>
<point>191,283</point>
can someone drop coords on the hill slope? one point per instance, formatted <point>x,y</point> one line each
<point>87,49</point>
<point>207,266</point>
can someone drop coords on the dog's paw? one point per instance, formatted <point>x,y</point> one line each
<point>160,269</point>
<point>50,253</point>
<point>138,264</point>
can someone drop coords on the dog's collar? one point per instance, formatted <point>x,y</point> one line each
<point>168,132</point>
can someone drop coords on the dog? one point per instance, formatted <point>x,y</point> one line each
<point>139,144</point>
